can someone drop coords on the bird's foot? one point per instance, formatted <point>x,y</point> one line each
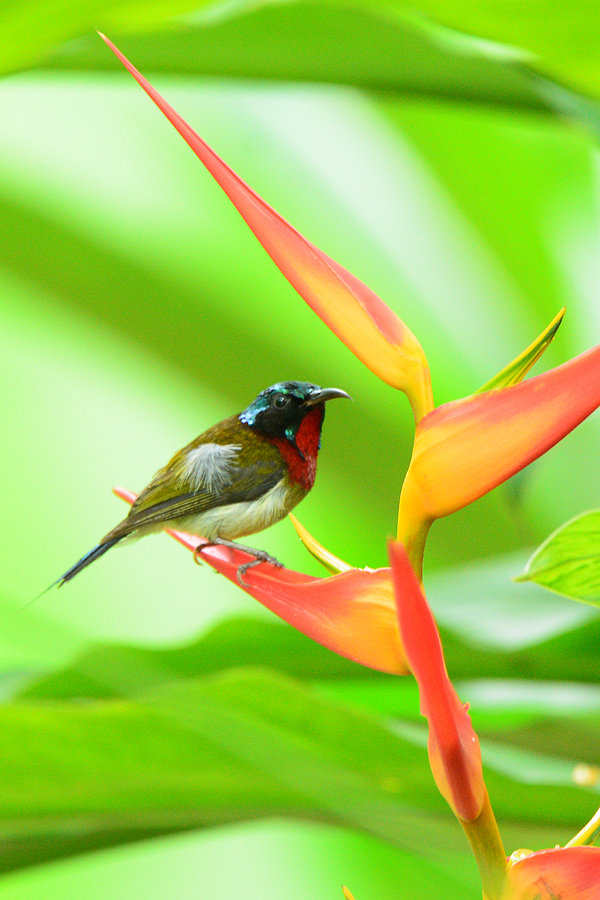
<point>260,556</point>
<point>198,551</point>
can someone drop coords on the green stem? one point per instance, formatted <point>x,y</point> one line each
<point>420,393</point>
<point>588,833</point>
<point>412,530</point>
<point>488,850</point>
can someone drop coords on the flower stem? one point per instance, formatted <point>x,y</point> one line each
<point>413,529</point>
<point>488,850</point>
<point>419,392</point>
<point>588,833</point>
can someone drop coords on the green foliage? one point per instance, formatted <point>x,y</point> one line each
<point>201,752</point>
<point>557,40</point>
<point>31,31</point>
<point>141,701</point>
<point>331,43</point>
<point>159,747</point>
<point>568,562</point>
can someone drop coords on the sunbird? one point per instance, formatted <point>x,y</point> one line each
<point>242,475</point>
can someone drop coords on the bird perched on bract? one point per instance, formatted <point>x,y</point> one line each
<point>235,479</point>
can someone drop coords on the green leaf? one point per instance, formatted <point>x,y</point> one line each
<point>560,40</point>
<point>336,43</point>
<point>202,752</point>
<point>30,30</point>
<point>515,371</point>
<point>568,562</point>
<point>118,670</point>
<point>243,744</point>
<point>273,860</point>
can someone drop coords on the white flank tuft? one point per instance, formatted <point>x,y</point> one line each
<point>208,466</point>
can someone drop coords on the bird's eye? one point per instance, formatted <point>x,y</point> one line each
<point>280,401</point>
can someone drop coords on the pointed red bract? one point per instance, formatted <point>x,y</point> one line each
<point>352,614</point>
<point>368,327</point>
<point>569,873</point>
<point>453,746</point>
<point>465,448</point>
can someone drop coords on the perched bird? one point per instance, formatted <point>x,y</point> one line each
<point>235,479</point>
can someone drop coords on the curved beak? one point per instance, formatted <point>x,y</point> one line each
<point>323,394</point>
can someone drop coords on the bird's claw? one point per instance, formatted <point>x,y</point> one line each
<point>196,554</point>
<point>259,557</point>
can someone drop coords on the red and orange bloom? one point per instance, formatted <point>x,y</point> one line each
<point>351,613</point>
<point>465,448</point>
<point>366,325</point>
<point>453,746</point>
<point>462,450</point>
<point>454,753</point>
<point>570,873</point>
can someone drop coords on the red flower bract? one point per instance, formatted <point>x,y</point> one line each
<point>366,325</point>
<point>352,613</point>
<point>565,873</point>
<point>453,746</point>
<point>465,448</point>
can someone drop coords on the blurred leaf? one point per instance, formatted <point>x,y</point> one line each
<point>377,47</point>
<point>568,562</point>
<point>336,43</point>
<point>201,752</point>
<point>515,371</point>
<point>30,30</point>
<point>512,625</point>
<point>271,859</point>
<point>240,745</point>
<point>559,40</point>
<point>112,670</point>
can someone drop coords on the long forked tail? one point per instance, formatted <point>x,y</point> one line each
<point>101,548</point>
<point>95,553</point>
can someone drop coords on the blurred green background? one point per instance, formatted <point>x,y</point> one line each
<point>458,177</point>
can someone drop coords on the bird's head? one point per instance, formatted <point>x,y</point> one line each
<point>279,410</point>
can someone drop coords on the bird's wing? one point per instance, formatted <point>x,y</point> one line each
<point>201,477</point>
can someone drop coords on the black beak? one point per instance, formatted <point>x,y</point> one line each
<point>323,394</point>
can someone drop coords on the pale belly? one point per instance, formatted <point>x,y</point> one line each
<point>240,519</point>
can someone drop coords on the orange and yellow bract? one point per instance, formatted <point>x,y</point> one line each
<point>462,450</point>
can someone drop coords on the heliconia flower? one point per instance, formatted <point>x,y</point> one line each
<point>516,370</point>
<point>331,562</point>
<point>465,448</point>
<point>352,613</point>
<point>564,873</point>
<point>571,873</point>
<point>462,449</point>
<point>365,324</point>
<point>453,746</point>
